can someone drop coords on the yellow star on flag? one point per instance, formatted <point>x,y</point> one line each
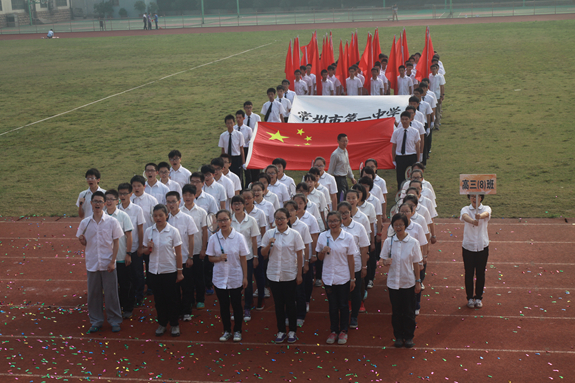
<point>308,138</point>
<point>277,136</point>
<point>307,144</point>
<point>300,131</point>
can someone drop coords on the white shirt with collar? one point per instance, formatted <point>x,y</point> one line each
<point>208,203</point>
<point>181,176</point>
<point>147,203</point>
<point>217,191</point>
<point>311,223</point>
<point>163,255</point>
<point>327,88</point>
<point>248,227</point>
<point>403,255</point>
<point>303,230</point>
<point>318,198</point>
<point>475,238</point>
<point>286,103</point>
<point>323,190</point>
<point>335,81</point>
<point>403,84</point>
<point>300,87</point>
<point>411,142</point>
<point>289,94</point>
<point>416,231</point>
<point>235,181</point>
<point>422,210</point>
<point>281,191</point>
<point>335,264</point>
<point>136,215</point>
<point>277,109</point>
<point>228,274</point>
<point>361,240</point>
<point>199,215</point>
<point>377,87</point>
<point>252,120</point>
<point>237,142</point>
<point>425,108</point>
<point>273,199</point>
<point>126,225</point>
<point>363,220</point>
<point>420,117</point>
<point>100,238</point>
<point>376,192</point>
<point>314,211</point>
<point>159,191</point>
<point>368,209</point>
<point>419,219</point>
<point>282,264</point>
<point>262,221</point>
<point>353,86</point>
<point>87,195</point>
<point>339,164</point>
<point>430,98</point>
<point>228,186</point>
<point>186,226</point>
<point>429,206</point>
<point>381,183</point>
<point>247,132</point>
<point>289,183</point>
<point>268,209</point>
<point>328,181</point>
<point>435,82</point>
<point>173,186</point>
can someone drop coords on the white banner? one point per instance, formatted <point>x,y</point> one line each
<point>330,109</point>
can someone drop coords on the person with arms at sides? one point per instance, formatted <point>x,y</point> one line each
<point>402,254</point>
<point>331,77</point>
<point>275,186</point>
<point>326,180</point>
<point>404,83</point>
<point>218,165</point>
<point>375,190</point>
<point>308,80</point>
<point>420,128</point>
<point>422,106</point>
<point>380,182</point>
<point>93,180</point>
<point>187,228</point>
<point>300,86</point>
<point>261,203</point>
<point>475,247</point>
<point>246,225</point>
<point>339,165</point>
<point>163,245</point>
<point>203,200</point>
<point>178,173</point>
<point>376,87</point>
<point>327,87</point>
<point>422,209</point>
<point>381,75</point>
<point>417,185</point>
<point>101,234</point>
<point>312,77</point>
<point>428,96</point>
<point>307,273</point>
<point>283,246</point>
<point>405,148</point>
<point>420,117</point>
<point>232,142</point>
<point>227,249</point>
<point>409,72</point>
<point>317,197</point>
<point>360,259</point>
<point>164,172</point>
<point>283,100</point>
<point>260,271</point>
<point>353,84</point>
<point>353,197</point>
<point>320,188</point>
<point>336,248</point>
<point>369,211</point>
<point>361,78</point>
<point>135,248</point>
<point>197,252</point>
<point>126,289</point>
<point>273,110</point>
<point>251,120</point>
<point>312,207</point>
<point>265,180</point>
<point>289,94</point>
<point>213,188</point>
<point>247,131</point>
<point>437,86</point>
<point>236,182</point>
<point>154,188</point>
<point>286,180</point>
<point>426,188</point>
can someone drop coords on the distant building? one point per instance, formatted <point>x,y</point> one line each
<point>15,12</point>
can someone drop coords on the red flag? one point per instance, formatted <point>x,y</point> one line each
<point>405,48</point>
<point>376,47</point>
<point>356,50</point>
<point>423,66</point>
<point>296,57</point>
<point>365,59</point>
<point>299,144</point>
<point>289,67</point>
<point>341,70</point>
<point>316,65</point>
<point>391,72</point>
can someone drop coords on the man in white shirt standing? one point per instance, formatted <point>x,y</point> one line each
<point>331,77</point>
<point>247,132</point>
<point>437,86</point>
<point>232,142</point>
<point>405,148</point>
<point>153,187</point>
<point>93,180</point>
<point>212,187</point>
<point>300,86</point>
<point>312,77</point>
<point>327,87</point>
<point>339,166</point>
<point>404,83</point>
<point>376,85</point>
<point>272,110</point>
<point>289,94</point>
<point>101,234</point>
<point>354,85</point>
<point>164,172</point>
<point>286,180</point>
<point>178,173</point>
<point>283,101</point>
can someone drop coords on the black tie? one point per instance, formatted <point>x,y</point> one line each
<point>268,112</point>
<point>403,143</point>
<point>249,121</point>
<point>230,145</point>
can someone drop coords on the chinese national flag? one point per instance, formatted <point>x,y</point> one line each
<point>300,144</point>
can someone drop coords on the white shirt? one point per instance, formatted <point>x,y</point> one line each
<point>228,186</point>
<point>186,226</point>
<point>311,222</point>
<point>208,203</point>
<point>361,218</point>
<point>289,94</point>
<point>268,209</point>
<point>335,80</point>
<point>286,103</point>
<point>327,88</point>
<point>99,241</point>
<point>158,191</point>
<point>419,219</point>
<point>429,97</point>
<point>289,183</point>
<point>248,227</point>
<point>247,132</point>
<point>381,183</point>
<point>251,120</point>
<point>163,255</point>
<point>147,203</point>
<point>228,274</point>
<point>403,85</point>
<point>403,254</point>
<point>435,82</point>
<point>376,192</point>
<point>323,190</point>
<point>369,211</point>
<point>377,88</point>
<point>361,240</point>
<point>353,86</point>
<point>425,108</point>
<point>418,125</point>
<point>181,176</point>
<point>199,216</point>
<point>238,142</point>
<point>126,225</point>
<point>475,238</point>
<point>281,191</point>
<point>328,181</point>
<point>136,215</point>
<point>314,211</point>
<point>410,145</point>
<point>318,198</point>
<point>422,210</point>
<point>335,264</point>
<point>300,87</point>
<point>174,186</point>
<point>262,221</point>
<point>282,264</point>
<point>87,205</point>
<point>303,230</point>
<point>428,205</point>
<point>416,231</point>
<point>217,191</point>
<point>277,109</point>
<point>273,199</point>
<point>339,163</point>
<point>237,184</point>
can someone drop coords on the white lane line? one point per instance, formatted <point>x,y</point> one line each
<point>509,224</point>
<point>90,378</point>
<point>499,263</point>
<point>134,88</point>
<point>440,241</point>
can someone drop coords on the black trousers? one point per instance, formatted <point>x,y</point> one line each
<point>126,286</point>
<point>166,298</point>
<point>426,146</point>
<point>186,291</point>
<point>372,262</point>
<point>357,295</point>
<point>302,289</point>
<point>422,271</point>
<point>475,263</point>
<point>199,285</point>
<point>285,294</point>
<point>236,168</point>
<point>403,312</point>
<point>233,297</point>
<point>337,298</point>
<point>208,273</point>
<point>403,162</point>
<point>318,266</point>
<point>341,182</point>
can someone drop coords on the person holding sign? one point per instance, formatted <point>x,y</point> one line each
<point>475,247</point>
<point>406,148</point>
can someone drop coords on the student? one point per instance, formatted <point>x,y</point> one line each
<point>232,142</point>
<point>353,84</point>
<point>261,203</point>
<point>163,245</point>
<point>307,79</point>
<point>251,118</point>
<point>93,180</point>
<point>313,78</point>
<point>126,289</point>
<point>327,87</point>
<point>353,197</point>
<point>283,101</point>
<point>101,234</point>
<point>311,222</point>
<point>369,211</point>
<point>374,191</point>
<point>381,76</point>
<point>164,172</point>
<point>426,188</point>
<point>376,87</point>
<point>417,185</point>
<point>475,248</point>
<point>380,182</point>
<point>260,270</point>
<point>414,101</point>
<point>437,86</point>
<point>218,165</point>
<point>336,249</point>
<point>199,215</point>
<point>289,94</point>
<point>316,197</point>
<point>178,173</point>
<point>135,248</point>
<point>265,180</point>
<point>236,182</point>
<point>248,227</point>
<point>213,188</point>
<point>405,149</point>
<point>187,228</point>
<point>275,186</point>
<point>246,131</point>
<point>420,128</point>
<point>360,76</point>
<point>284,247</point>
<point>429,97</point>
<point>404,83</point>
<point>272,110</point>
<point>327,180</point>
<point>320,188</point>
<point>153,187</point>
<point>300,86</point>
<point>412,199</point>
<point>423,106</point>
<point>339,165</point>
<point>286,180</point>
<point>227,249</point>
<point>409,72</point>
<point>204,200</point>
<point>403,254</point>
<point>375,248</point>
<point>312,207</point>
<point>331,77</point>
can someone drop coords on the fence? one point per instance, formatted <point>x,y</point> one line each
<point>483,9</point>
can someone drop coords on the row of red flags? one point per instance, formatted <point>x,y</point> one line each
<point>309,54</point>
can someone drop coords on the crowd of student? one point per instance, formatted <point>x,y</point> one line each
<point>289,237</point>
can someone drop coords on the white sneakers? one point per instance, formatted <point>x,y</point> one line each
<point>478,303</point>
<point>471,303</point>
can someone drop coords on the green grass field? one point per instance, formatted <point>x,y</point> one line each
<point>502,113</point>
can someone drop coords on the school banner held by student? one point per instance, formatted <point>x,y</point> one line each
<point>322,109</point>
<point>300,144</point>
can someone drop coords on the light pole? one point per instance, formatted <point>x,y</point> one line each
<point>202,12</point>
<point>238,5</point>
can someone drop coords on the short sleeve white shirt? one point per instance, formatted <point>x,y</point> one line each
<point>158,191</point>
<point>186,226</point>
<point>327,88</point>
<point>136,215</point>
<point>403,254</point>
<point>181,176</point>
<point>435,82</point>
<point>268,209</point>
<point>363,220</point>
<point>277,109</point>
<point>126,225</point>
<point>248,227</point>
<point>262,221</point>
<point>361,240</point>
<point>208,203</point>
<point>377,88</point>
<point>228,186</point>
<point>247,132</point>
<point>300,87</point>
<point>289,183</point>
<point>217,191</point>
<point>323,190</point>
<point>198,214</point>
<point>416,231</point>
<point>281,191</point>
<point>273,199</point>
<point>174,186</point>
<point>403,85</point>
<point>235,181</point>
<point>285,103</point>
<point>252,120</point>
<point>237,142</point>
<point>475,238</point>
<point>147,203</point>
<point>314,211</point>
<point>353,86</point>
<point>228,274</point>
<point>87,195</point>
<point>418,218</point>
<point>303,230</point>
<point>328,181</point>
<point>428,205</point>
<point>335,264</point>
<point>376,192</point>
<point>311,222</point>
<point>100,238</point>
<point>282,264</point>
<point>381,183</point>
<point>411,142</point>
<point>163,255</point>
